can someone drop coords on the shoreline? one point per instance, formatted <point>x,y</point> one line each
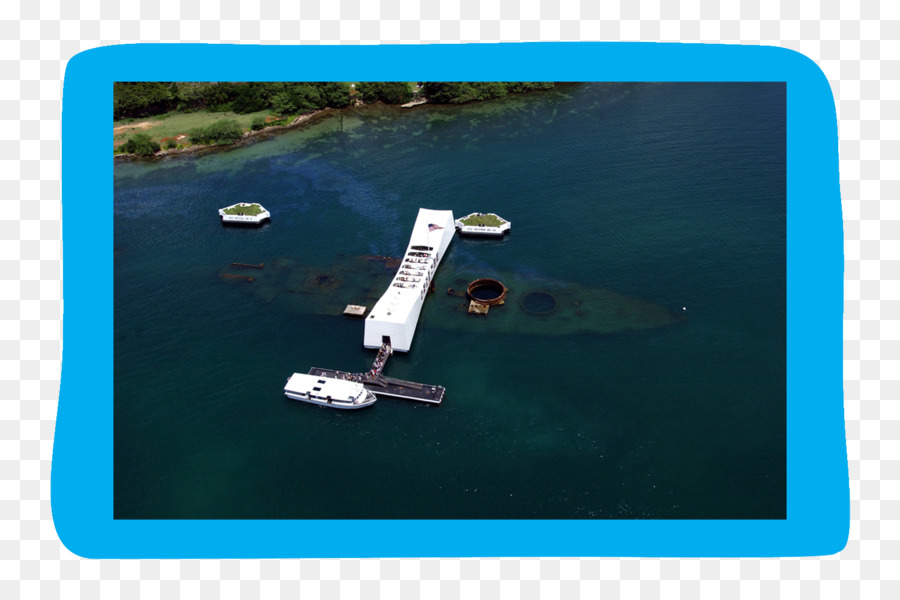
<point>303,119</point>
<point>418,102</point>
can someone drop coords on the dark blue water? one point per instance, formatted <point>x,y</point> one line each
<point>670,194</point>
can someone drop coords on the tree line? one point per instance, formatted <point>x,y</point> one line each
<point>145,99</point>
<point>460,92</point>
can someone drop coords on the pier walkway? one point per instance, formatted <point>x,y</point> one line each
<point>380,360</point>
<point>388,386</point>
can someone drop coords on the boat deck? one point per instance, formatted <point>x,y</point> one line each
<point>389,386</point>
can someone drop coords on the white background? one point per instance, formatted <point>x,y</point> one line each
<point>854,45</point>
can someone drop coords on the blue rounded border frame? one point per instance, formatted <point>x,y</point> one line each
<point>818,498</point>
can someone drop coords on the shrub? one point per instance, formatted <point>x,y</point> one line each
<point>142,145</point>
<point>140,99</point>
<point>221,132</point>
<point>389,92</point>
<point>218,97</point>
<point>258,123</point>
<point>225,132</point>
<point>334,93</point>
<point>527,86</point>
<point>458,92</point>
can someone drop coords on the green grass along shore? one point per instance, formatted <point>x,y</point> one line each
<point>171,132</point>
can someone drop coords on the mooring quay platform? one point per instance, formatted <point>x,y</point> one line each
<point>389,386</point>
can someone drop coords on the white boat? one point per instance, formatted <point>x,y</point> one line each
<point>394,317</point>
<point>327,391</point>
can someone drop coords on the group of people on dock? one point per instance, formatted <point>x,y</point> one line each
<point>357,377</point>
<point>378,366</point>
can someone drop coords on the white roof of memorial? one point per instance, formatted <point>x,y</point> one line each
<point>395,304</point>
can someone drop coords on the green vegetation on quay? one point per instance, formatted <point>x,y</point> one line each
<point>476,220</point>
<point>243,209</point>
<point>150,116</point>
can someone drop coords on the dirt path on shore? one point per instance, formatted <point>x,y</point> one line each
<point>123,128</point>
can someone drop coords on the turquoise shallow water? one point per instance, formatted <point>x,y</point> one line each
<point>673,194</point>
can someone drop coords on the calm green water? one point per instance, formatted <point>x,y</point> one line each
<point>673,194</point>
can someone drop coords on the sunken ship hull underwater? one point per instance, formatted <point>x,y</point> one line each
<point>533,305</point>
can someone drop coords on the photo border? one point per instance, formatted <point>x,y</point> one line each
<point>818,498</point>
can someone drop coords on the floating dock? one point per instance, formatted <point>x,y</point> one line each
<point>389,386</point>
<point>355,310</point>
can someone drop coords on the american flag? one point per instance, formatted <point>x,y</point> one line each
<point>434,227</point>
